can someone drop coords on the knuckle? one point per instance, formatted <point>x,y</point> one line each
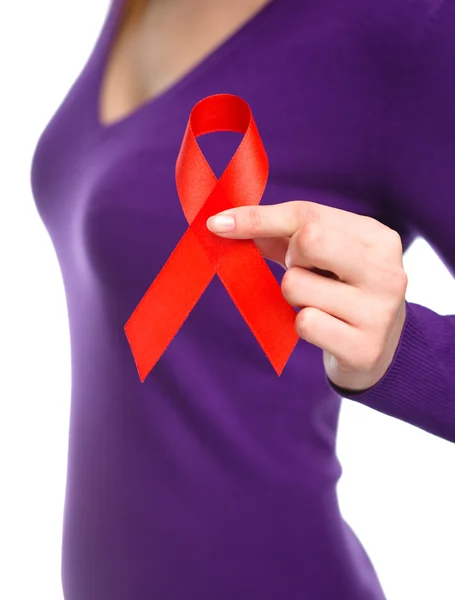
<point>254,219</point>
<point>375,230</point>
<point>394,239</point>
<point>400,282</point>
<point>288,282</point>
<point>304,321</point>
<point>388,243</point>
<point>393,281</point>
<point>308,212</point>
<point>309,236</point>
<point>384,239</point>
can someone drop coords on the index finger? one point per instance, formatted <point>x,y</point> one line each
<point>276,220</point>
<point>248,222</point>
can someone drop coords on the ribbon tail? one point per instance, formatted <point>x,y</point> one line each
<point>168,302</point>
<point>258,298</point>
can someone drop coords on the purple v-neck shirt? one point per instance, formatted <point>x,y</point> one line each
<point>215,479</point>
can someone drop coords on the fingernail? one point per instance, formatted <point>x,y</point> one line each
<point>287,260</point>
<point>221,223</point>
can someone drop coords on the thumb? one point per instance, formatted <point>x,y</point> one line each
<point>273,249</point>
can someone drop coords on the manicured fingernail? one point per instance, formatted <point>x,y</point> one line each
<point>221,223</point>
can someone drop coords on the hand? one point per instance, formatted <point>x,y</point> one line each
<point>344,271</point>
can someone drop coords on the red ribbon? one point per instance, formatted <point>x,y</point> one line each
<point>200,254</point>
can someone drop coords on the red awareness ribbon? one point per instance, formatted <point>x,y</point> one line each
<point>200,254</point>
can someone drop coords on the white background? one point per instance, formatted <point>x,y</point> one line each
<point>398,489</point>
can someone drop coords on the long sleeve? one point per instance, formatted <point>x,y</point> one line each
<point>418,150</point>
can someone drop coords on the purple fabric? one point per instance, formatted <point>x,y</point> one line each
<point>216,479</point>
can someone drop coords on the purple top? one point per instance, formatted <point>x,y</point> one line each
<point>215,478</point>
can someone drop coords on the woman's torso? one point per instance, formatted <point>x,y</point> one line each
<point>214,478</point>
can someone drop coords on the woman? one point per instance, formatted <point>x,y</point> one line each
<point>215,478</point>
